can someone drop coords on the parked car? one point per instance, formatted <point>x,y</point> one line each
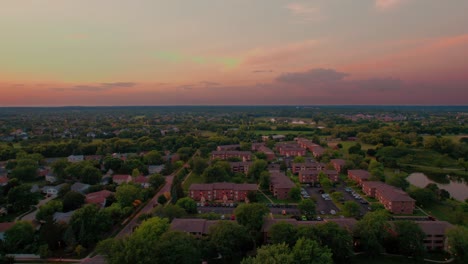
<point>333,212</point>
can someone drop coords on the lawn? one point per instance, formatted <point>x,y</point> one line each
<point>347,144</point>
<point>193,178</point>
<point>447,211</point>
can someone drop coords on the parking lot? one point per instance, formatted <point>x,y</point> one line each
<point>274,209</point>
<point>323,206</point>
<point>349,197</point>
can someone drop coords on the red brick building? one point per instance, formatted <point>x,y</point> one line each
<point>224,155</point>
<point>228,147</point>
<point>338,164</point>
<point>256,146</point>
<point>223,191</point>
<point>268,152</point>
<point>308,165</point>
<point>359,176</point>
<point>436,238</point>
<point>280,185</point>
<point>311,176</point>
<point>393,199</point>
<point>242,166</point>
<point>120,179</point>
<point>98,198</point>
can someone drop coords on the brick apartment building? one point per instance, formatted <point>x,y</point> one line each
<point>220,191</point>
<point>338,164</point>
<point>359,176</point>
<point>312,176</point>
<point>280,185</point>
<point>268,152</point>
<point>228,147</point>
<point>242,166</point>
<point>308,165</point>
<point>224,155</point>
<point>436,238</point>
<point>393,199</point>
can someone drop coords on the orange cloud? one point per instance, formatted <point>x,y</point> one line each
<point>387,4</point>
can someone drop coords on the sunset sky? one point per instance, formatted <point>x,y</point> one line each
<point>236,52</point>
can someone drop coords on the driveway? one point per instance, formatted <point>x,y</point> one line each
<point>32,216</point>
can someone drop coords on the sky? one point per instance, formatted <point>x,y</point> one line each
<point>233,52</point>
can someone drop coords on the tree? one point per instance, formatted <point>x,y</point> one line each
<point>458,242</point>
<point>424,197</point>
<point>309,251</point>
<point>73,200</point>
<point>177,247</point>
<point>337,239</point>
<point>25,171</point>
<point>215,173</point>
<point>162,199</point>
<point>156,180</point>
<point>283,232</point>
<point>89,223</point>
<point>153,158</point>
<point>265,180</point>
<point>177,192</point>
<point>299,159</point>
<point>307,207</point>
<point>59,167</point>
<point>372,229</point>
<point>46,211</point>
<point>256,169</point>
<point>198,165</point>
<point>90,175</point>
<point>188,204</point>
<point>337,196</point>
<point>294,194</point>
<point>136,173</point>
<point>351,209</point>
<point>170,211</point>
<point>251,215</point>
<point>463,163</point>
<point>126,194</point>
<point>21,198</point>
<point>410,238</point>
<point>19,237</point>
<point>376,169</point>
<point>271,254</point>
<point>229,239</point>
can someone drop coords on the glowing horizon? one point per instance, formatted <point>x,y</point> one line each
<point>207,52</point>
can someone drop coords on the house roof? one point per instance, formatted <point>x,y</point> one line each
<point>192,225</point>
<point>63,217</point>
<point>280,180</point>
<point>434,227</point>
<point>5,226</point>
<point>222,186</point>
<point>141,179</point>
<point>231,152</point>
<point>121,177</point>
<point>98,197</point>
<point>79,187</point>
<point>201,187</point>
<point>363,174</point>
<point>3,179</point>
<point>340,162</point>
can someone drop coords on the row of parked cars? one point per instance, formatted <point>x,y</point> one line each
<point>356,195</point>
<point>213,204</point>
<point>304,193</point>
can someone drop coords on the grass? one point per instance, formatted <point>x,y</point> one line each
<point>347,144</point>
<point>193,178</point>
<point>448,211</point>
<point>281,132</point>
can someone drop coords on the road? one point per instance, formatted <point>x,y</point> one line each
<point>128,229</point>
<point>32,216</point>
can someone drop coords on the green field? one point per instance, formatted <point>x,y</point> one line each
<point>193,178</point>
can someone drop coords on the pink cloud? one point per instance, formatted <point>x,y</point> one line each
<point>387,4</point>
<point>304,13</point>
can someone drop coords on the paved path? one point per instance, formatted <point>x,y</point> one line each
<point>32,216</point>
<point>127,230</point>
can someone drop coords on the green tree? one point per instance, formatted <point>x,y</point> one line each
<point>265,180</point>
<point>283,232</point>
<point>170,211</point>
<point>188,204</point>
<point>410,239</point>
<point>19,237</point>
<point>26,170</point>
<point>126,194</point>
<point>307,207</point>
<point>162,199</point>
<point>251,215</point>
<point>198,165</point>
<point>153,158</point>
<point>458,242</point>
<point>156,180</point>
<point>271,254</point>
<point>337,196</point>
<point>90,175</point>
<point>309,251</point>
<point>299,159</point>
<point>351,209</point>
<point>21,198</point>
<point>337,239</point>
<point>376,169</point>
<point>59,167</point>
<point>372,229</point>
<point>177,247</point>
<point>89,224</point>
<point>46,211</point>
<point>256,169</point>
<point>215,173</point>
<point>294,194</point>
<point>73,200</point>
<point>229,239</point>
<point>424,197</point>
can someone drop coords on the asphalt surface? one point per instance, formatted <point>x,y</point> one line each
<point>322,204</point>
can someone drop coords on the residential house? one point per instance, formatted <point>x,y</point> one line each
<point>50,178</point>
<point>290,149</point>
<point>228,147</point>
<point>359,176</point>
<point>98,198</point>
<point>152,169</point>
<point>75,158</point>
<point>5,227</point>
<point>52,190</point>
<point>270,155</point>
<point>224,155</point>
<point>143,181</point>
<point>392,198</point>
<point>242,166</point>
<point>338,164</point>
<point>79,187</point>
<point>3,180</point>
<point>60,217</point>
<point>221,191</point>
<point>278,137</point>
<point>256,146</point>
<point>97,158</point>
<point>120,179</point>
<point>280,185</point>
